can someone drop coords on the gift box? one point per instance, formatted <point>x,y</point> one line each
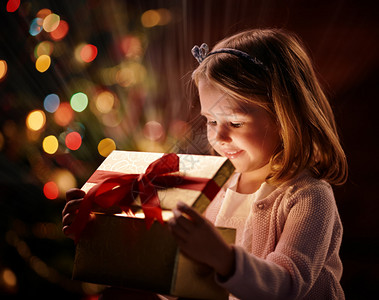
<point>123,250</point>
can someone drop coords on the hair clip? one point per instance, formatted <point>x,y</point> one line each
<point>200,53</point>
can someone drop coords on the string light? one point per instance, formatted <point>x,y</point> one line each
<point>51,103</point>
<point>36,120</point>
<point>45,47</point>
<point>50,190</point>
<point>43,63</point>
<point>64,114</point>
<point>50,144</point>
<point>3,69</point>
<point>51,22</point>
<point>60,32</point>
<point>88,53</point>
<point>106,146</point>
<point>35,26</point>
<point>73,140</point>
<point>79,102</point>
<point>13,5</point>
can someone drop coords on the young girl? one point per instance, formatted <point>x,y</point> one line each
<point>266,112</point>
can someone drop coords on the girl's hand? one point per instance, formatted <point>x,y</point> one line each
<point>199,239</point>
<point>73,197</point>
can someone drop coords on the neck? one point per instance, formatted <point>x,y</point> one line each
<point>250,182</point>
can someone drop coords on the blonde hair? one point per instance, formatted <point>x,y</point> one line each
<point>287,87</point>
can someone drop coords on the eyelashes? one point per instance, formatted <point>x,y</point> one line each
<point>230,124</point>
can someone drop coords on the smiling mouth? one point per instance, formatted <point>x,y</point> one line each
<point>232,154</point>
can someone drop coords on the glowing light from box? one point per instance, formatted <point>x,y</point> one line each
<point>64,114</point>
<point>153,130</point>
<point>60,32</point>
<point>8,278</point>
<point>51,22</point>
<point>79,102</point>
<point>51,103</point>
<point>36,120</point>
<point>88,53</point>
<point>50,144</point>
<point>43,63</point>
<point>35,26</point>
<point>64,180</point>
<point>50,190</point>
<point>73,140</point>
<point>3,69</point>
<point>13,5</point>
<point>45,47</point>
<point>104,102</point>
<point>106,146</point>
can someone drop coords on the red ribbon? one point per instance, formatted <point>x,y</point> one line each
<point>121,189</point>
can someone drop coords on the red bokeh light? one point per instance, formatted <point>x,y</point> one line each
<point>88,53</point>
<point>60,32</point>
<point>13,5</point>
<point>73,140</point>
<point>64,114</point>
<point>50,190</point>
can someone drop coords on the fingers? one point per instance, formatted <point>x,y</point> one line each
<point>74,193</point>
<point>190,212</point>
<point>71,207</point>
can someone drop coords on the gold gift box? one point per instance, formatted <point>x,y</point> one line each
<point>120,250</point>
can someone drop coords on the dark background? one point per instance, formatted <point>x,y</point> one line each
<point>342,39</point>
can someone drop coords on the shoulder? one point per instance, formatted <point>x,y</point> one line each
<point>305,190</point>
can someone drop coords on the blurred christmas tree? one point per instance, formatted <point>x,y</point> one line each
<point>75,83</point>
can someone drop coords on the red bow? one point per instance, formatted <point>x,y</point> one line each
<point>121,189</point>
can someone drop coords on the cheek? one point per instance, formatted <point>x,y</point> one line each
<point>211,135</point>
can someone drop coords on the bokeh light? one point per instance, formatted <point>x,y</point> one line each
<point>65,180</point>
<point>79,102</point>
<point>60,32</point>
<point>36,120</point>
<point>35,26</point>
<point>3,69</point>
<point>50,144</point>
<point>88,53</point>
<point>50,190</point>
<point>43,13</point>
<point>150,18</point>
<point>43,63</point>
<point>51,103</point>
<point>13,5</point>
<point>131,74</point>
<point>106,146</point>
<point>104,102</point>
<point>153,130</point>
<point>45,47</point>
<point>64,114</point>
<point>51,22</point>
<point>131,47</point>
<point>73,140</point>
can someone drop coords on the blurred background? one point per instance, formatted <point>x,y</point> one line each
<point>81,78</point>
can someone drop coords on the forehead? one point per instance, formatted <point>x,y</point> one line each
<point>215,101</point>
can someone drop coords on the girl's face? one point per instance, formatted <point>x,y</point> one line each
<point>247,137</point>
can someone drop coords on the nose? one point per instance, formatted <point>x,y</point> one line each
<point>219,134</point>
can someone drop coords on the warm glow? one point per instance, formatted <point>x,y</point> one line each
<point>153,131</point>
<point>50,144</point>
<point>104,102</point>
<point>43,13</point>
<point>131,46</point>
<point>8,278</point>
<point>3,69</point>
<point>65,180</point>
<point>51,22</point>
<point>64,114</point>
<point>106,146</point>
<point>50,190</point>
<point>43,63</point>
<point>150,18</point>
<point>36,120</point>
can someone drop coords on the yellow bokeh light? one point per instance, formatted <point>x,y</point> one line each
<point>3,69</point>
<point>43,63</point>
<point>106,146</point>
<point>104,102</point>
<point>50,144</point>
<point>51,22</point>
<point>150,18</point>
<point>9,278</point>
<point>65,180</point>
<point>36,120</point>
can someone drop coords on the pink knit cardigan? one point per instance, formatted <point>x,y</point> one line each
<point>290,244</point>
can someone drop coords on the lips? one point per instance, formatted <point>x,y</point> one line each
<point>232,154</point>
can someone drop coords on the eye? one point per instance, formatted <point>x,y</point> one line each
<point>211,123</point>
<point>236,124</point>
